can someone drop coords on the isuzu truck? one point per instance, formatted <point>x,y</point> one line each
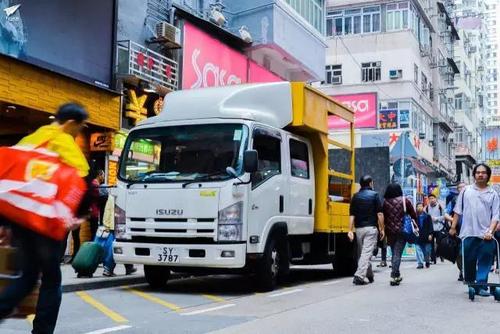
<point>236,179</point>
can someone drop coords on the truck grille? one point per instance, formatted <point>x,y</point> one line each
<point>172,227</point>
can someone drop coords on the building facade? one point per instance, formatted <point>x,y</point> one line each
<point>43,66</point>
<point>470,96</point>
<point>402,54</point>
<point>167,45</point>
<point>492,107</point>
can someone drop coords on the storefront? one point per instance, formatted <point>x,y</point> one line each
<point>44,65</point>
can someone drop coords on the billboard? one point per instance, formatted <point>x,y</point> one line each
<point>364,106</point>
<point>208,62</point>
<point>491,138</point>
<point>74,38</point>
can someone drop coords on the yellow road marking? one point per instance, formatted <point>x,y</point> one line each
<point>154,299</point>
<point>101,307</point>
<point>30,318</point>
<point>214,298</point>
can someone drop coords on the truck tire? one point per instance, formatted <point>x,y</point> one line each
<point>274,264</point>
<point>156,276</point>
<point>345,261</point>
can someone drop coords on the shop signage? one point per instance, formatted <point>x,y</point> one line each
<point>388,119</point>
<point>112,172</point>
<point>495,171</point>
<point>365,111</point>
<point>141,146</point>
<point>101,141</point>
<point>207,62</point>
<point>158,106</point>
<point>135,108</point>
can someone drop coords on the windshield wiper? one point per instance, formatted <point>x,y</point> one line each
<point>200,178</point>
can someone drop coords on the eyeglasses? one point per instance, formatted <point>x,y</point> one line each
<point>481,172</point>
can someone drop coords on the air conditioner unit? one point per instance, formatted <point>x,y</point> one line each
<point>169,33</point>
<point>336,80</point>
<point>395,74</point>
<point>421,135</point>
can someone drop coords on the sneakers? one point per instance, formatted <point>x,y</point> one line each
<point>358,281</point>
<point>427,264</point>
<point>108,273</point>
<point>420,266</point>
<point>371,279</point>
<point>396,280</point>
<point>382,264</point>
<point>130,271</point>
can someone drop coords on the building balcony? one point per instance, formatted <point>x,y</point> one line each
<point>283,41</point>
<point>446,164</point>
<point>136,63</point>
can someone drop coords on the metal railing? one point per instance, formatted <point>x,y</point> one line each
<point>146,64</point>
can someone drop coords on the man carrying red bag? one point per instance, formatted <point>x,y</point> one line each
<point>41,194</point>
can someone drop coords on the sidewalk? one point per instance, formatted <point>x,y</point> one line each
<point>71,283</point>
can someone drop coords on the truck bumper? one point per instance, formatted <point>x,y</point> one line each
<point>208,256</point>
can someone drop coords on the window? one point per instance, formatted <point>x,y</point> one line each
<point>397,16</point>
<point>459,101</point>
<point>370,71</point>
<point>424,82</point>
<point>299,158</point>
<point>334,74</point>
<point>404,115</point>
<point>415,73</point>
<point>269,149</point>
<point>310,10</point>
<point>431,92</point>
<point>353,21</point>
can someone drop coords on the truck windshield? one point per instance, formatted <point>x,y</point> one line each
<point>184,153</point>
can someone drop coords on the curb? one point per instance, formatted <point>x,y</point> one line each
<point>103,284</point>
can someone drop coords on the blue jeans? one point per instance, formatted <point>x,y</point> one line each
<point>478,257</point>
<point>423,253</point>
<point>38,255</point>
<point>397,248</point>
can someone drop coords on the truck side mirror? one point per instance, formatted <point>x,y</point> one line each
<point>251,161</point>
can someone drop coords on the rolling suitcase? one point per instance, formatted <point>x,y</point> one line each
<point>87,259</point>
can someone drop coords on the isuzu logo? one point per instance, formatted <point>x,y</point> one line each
<point>169,212</point>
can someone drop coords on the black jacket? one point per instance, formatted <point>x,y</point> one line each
<point>365,205</point>
<point>424,222</point>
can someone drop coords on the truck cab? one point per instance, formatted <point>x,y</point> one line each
<point>229,184</point>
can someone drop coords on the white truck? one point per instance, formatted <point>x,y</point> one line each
<point>235,179</point>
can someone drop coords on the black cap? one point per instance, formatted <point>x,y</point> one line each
<point>71,111</point>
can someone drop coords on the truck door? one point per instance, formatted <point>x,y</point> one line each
<point>300,206</point>
<point>268,191</point>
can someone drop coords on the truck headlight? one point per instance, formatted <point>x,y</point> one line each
<point>120,220</point>
<point>230,223</point>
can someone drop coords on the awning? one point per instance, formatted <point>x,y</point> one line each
<point>453,65</point>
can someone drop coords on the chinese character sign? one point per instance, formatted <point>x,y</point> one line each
<point>388,119</point>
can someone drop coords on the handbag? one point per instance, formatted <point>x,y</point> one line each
<point>409,227</point>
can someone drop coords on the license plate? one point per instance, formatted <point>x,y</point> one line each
<point>168,255</point>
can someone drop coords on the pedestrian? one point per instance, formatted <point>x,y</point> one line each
<point>394,212</point>
<point>95,211</point>
<point>382,244</point>
<point>367,218</point>
<point>479,205</point>
<point>103,193</point>
<point>435,210</point>
<point>109,226</point>
<point>423,244</point>
<point>450,213</point>
<point>41,254</point>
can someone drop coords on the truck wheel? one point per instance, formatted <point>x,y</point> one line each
<point>273,265</point>
<point>156,276</point>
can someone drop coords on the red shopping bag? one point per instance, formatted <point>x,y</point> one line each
<point>38,191</point>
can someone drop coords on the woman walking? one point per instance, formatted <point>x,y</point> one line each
<point>393,213</point>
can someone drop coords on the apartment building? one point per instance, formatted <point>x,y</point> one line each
<point>401,55</point>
